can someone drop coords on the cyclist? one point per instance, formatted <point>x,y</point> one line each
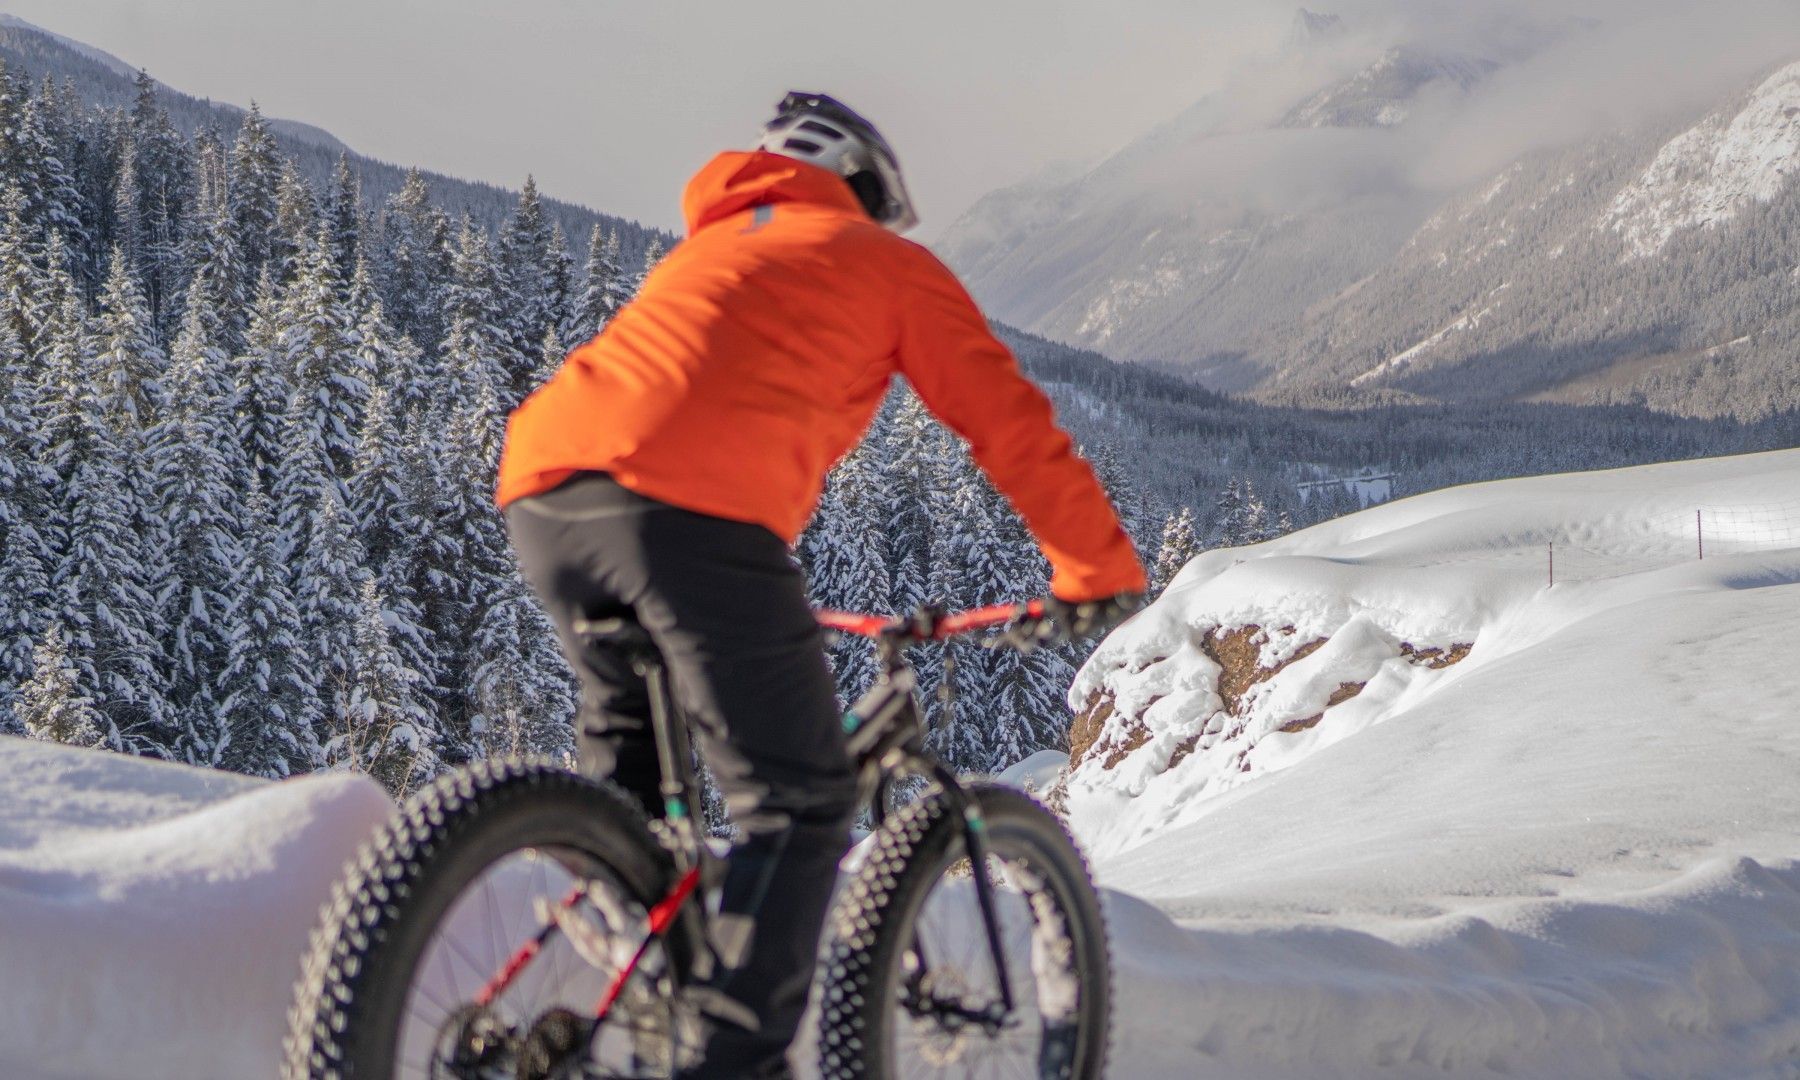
<point>667,467</point>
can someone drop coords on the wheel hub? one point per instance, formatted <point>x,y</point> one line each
<point>473,1044</point>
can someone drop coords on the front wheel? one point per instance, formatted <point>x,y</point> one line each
<point>911,985</point>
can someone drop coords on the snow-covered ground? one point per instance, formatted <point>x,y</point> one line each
<point>1566,851</point>
<point>152,916</point>
<point>1569,854</point>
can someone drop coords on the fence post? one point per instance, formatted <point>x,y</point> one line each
<point>1699,536</point>
<point>1553,564</point>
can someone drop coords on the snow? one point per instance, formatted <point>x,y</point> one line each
<point>156,914</point>
<point>1570,854</point>
<point>1705,176</point>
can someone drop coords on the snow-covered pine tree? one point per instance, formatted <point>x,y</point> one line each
<point>129,362</point>
<point>1180,543</point>
<point>1229,515</point>
<point>261,386</point>
<point>327,374</point>
<point>382,725</point>
<point>392,535</point>
<point>51,703</point>
<point>103,584</point>
<point>22,285</point>
<point>523,287</point>
<point>328,569</point>
<point>844,552</point>
<point>477,348</point>
<point>416,264</point>
<point>163,174</point>
<point>267,693</point>
<point>298,226</point>
<point>194,458</point>
<point>343,217</point>
<point>53,130</point>
<point>520,694</point>
<point>653,254</point>
<point>602,292</point>
<point>211,247</point>
<point>559,288</point>
<point>25,508</point>
<point>255,178</point>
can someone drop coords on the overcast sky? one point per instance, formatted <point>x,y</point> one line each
<point>614,104</point>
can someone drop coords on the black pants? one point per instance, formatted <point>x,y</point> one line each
<point>727,607</point>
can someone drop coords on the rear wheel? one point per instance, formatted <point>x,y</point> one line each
<point>911,985</point>
<point>439,901</point>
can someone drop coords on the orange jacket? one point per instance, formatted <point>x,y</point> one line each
<point>757,352</point>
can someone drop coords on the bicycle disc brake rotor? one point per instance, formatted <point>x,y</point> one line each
<point>525,1031</point>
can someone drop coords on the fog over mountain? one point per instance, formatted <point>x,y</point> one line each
<point>1241,240</point>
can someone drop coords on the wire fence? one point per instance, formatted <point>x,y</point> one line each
<point>1661,540</point>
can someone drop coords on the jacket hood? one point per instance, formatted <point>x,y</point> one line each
<point>740,179</point>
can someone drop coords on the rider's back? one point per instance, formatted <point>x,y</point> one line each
<point>756,354</point>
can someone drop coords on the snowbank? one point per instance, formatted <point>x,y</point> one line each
<point>155,915</point>
<point>1568,853</point>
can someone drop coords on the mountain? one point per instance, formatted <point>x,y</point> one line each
<point>105,81</point>
<point>1244,210</point>
<point>1654,269</point>
<point>1296,255</point>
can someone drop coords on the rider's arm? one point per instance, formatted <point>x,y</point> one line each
<point>970,381</point>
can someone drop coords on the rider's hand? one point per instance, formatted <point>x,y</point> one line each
<point>1091,618</point>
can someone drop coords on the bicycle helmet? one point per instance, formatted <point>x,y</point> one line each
<point>823,131</point>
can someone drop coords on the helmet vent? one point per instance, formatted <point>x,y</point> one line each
<point>805,146</point>
<point>820,129</point>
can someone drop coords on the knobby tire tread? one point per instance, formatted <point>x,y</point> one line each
<point>344,979</point>
<point>906,859</point>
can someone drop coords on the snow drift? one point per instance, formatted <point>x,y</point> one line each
<point>1567,851</point>
<point>155,915</point>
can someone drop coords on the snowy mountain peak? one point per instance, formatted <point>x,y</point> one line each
<point>1381,94</point>
<point>1312,27</point>
<point>1709,173</point>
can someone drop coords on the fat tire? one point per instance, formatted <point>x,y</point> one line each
<point>345,1019</point>
<point>873,922</point>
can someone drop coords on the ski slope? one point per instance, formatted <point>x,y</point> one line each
<point>1569,854</point>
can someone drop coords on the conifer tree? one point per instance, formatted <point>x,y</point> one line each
<point>1180,543</point>
<point>603,291</point>
<point>211,247</point>
<point>524,288</point>
<point>653,254</point>
<point>103,586</point>
<point>380,726</point>
<point>267,692</point>
<point>417,264</point>
<point>261,387</point>
<point>26,557</point>
<point>162,173</point>
<point>255,177</point>
<point>51,705</point>
<point>298,226</point>
<point>328,377</point>
<point>129,362</point>
<point>343,215</point>
<point>193,458</point>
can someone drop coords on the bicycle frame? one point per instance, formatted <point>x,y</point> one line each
<point>884,731</point>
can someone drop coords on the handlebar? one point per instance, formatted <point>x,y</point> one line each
<point>930,624</point>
